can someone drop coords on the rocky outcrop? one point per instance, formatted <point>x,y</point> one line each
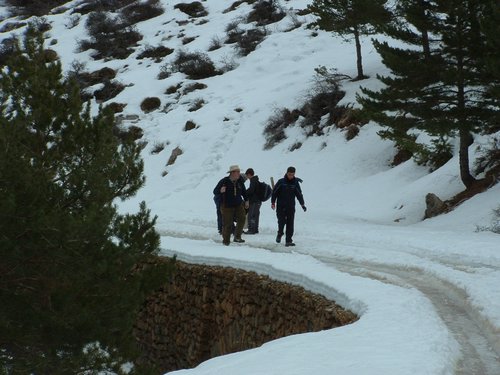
<point>207,311</point>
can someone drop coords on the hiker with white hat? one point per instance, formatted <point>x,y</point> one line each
<point>234,201</point>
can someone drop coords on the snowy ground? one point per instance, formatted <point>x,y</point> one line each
<point>426,291</point>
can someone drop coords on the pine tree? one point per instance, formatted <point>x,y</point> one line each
<point>412,70</point>
<point>67,274</point>
<point>350,18</point>
<point>443,92</point>
<point>490,25</point>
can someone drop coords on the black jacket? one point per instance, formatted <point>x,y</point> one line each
<point>285,191</point>
<point>253,189</point>
<point>235,193</point>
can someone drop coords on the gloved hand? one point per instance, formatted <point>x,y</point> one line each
<point>304,208</point>
<point>247,205</point>
<point>273,206</point>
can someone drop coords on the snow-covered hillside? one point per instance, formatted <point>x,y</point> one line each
<point>362,240</point>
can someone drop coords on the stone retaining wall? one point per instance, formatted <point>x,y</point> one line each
<point>208,311</point>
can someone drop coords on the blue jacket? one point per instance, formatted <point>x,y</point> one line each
<point>235,193</point>
<point>285,191</point>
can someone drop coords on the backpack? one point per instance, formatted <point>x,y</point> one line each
<point>264,191</point>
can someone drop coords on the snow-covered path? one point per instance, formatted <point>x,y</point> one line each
<point>479,345</point>
<point>460,290</point>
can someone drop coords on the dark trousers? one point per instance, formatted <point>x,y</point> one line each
<point>286,217</point>
<point>253,216</point>
<point>228,216</point>
<point>219,214</point>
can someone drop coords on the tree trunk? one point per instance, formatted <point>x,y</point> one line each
<point>424,31</point>
<point>465,141</point>
<point>359,60</point>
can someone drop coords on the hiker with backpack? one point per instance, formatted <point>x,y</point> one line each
<point>284,193</point>
<point>254,202</point>
<point>234,201</point>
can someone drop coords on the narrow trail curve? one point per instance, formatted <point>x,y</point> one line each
<point>480,346</point>
<point>478,339</point>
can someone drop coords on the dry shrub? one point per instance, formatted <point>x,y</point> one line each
<point>86,79</point>
<point>35,7</point>
<point>156,53</point>
<point>188,39</point>
<point>116,107</point>
<point>150,104</point>
<point>351,132</point>
<point>193,87</point>
<point>173,89</point>
<point>266,12</point>
<point>139,12</point>
<point>9,26</point>
<point>196,65</point>
<point>101,6</point>
<point>233,32</point>
<point>215,43</point>
<point>249,40</point>
<point>109,91</point>
<point>196,105</point>
<point>274,130</point>
<point>190,125</point>
<point>194,9</point>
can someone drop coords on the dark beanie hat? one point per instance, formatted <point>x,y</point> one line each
<point>250,171</point>
<point>291,170</point>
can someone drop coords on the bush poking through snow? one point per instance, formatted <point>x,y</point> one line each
<point>249,40</point>
<point>150,104</point>
<point>156,53</point>
<point>193,87</point>
<point>266,12</point>
<point>274,130</point>
<point>109,91</point>
<point>35,7</point>
<point>139,12</point>
<point>196,105</point>
<point>194,9</point>
<point>233,32</point>
<point>215,43</point>
<point>190,125</point>
<point>157,148</point>
<point>321,101</point>
<point>196,65</point>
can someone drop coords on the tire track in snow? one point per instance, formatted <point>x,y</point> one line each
<point>478,340</point>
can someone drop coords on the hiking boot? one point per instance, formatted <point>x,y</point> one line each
<point>239,240</point>
<point>289,244</point>
<point>225,243</point>
<point>278,238</point>
<point>250,232</point>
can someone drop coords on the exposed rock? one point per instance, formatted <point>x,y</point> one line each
<point>435,206</point>
<point>173,156</point>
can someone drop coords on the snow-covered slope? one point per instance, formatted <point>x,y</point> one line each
<point>360,210</point>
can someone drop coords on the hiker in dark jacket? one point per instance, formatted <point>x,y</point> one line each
<point>254,201</point>
<point>233,204</point>
<point>284,193</point>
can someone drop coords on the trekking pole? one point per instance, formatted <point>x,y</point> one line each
<point>272,182</point>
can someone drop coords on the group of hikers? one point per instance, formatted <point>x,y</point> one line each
<point>236,204</point>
